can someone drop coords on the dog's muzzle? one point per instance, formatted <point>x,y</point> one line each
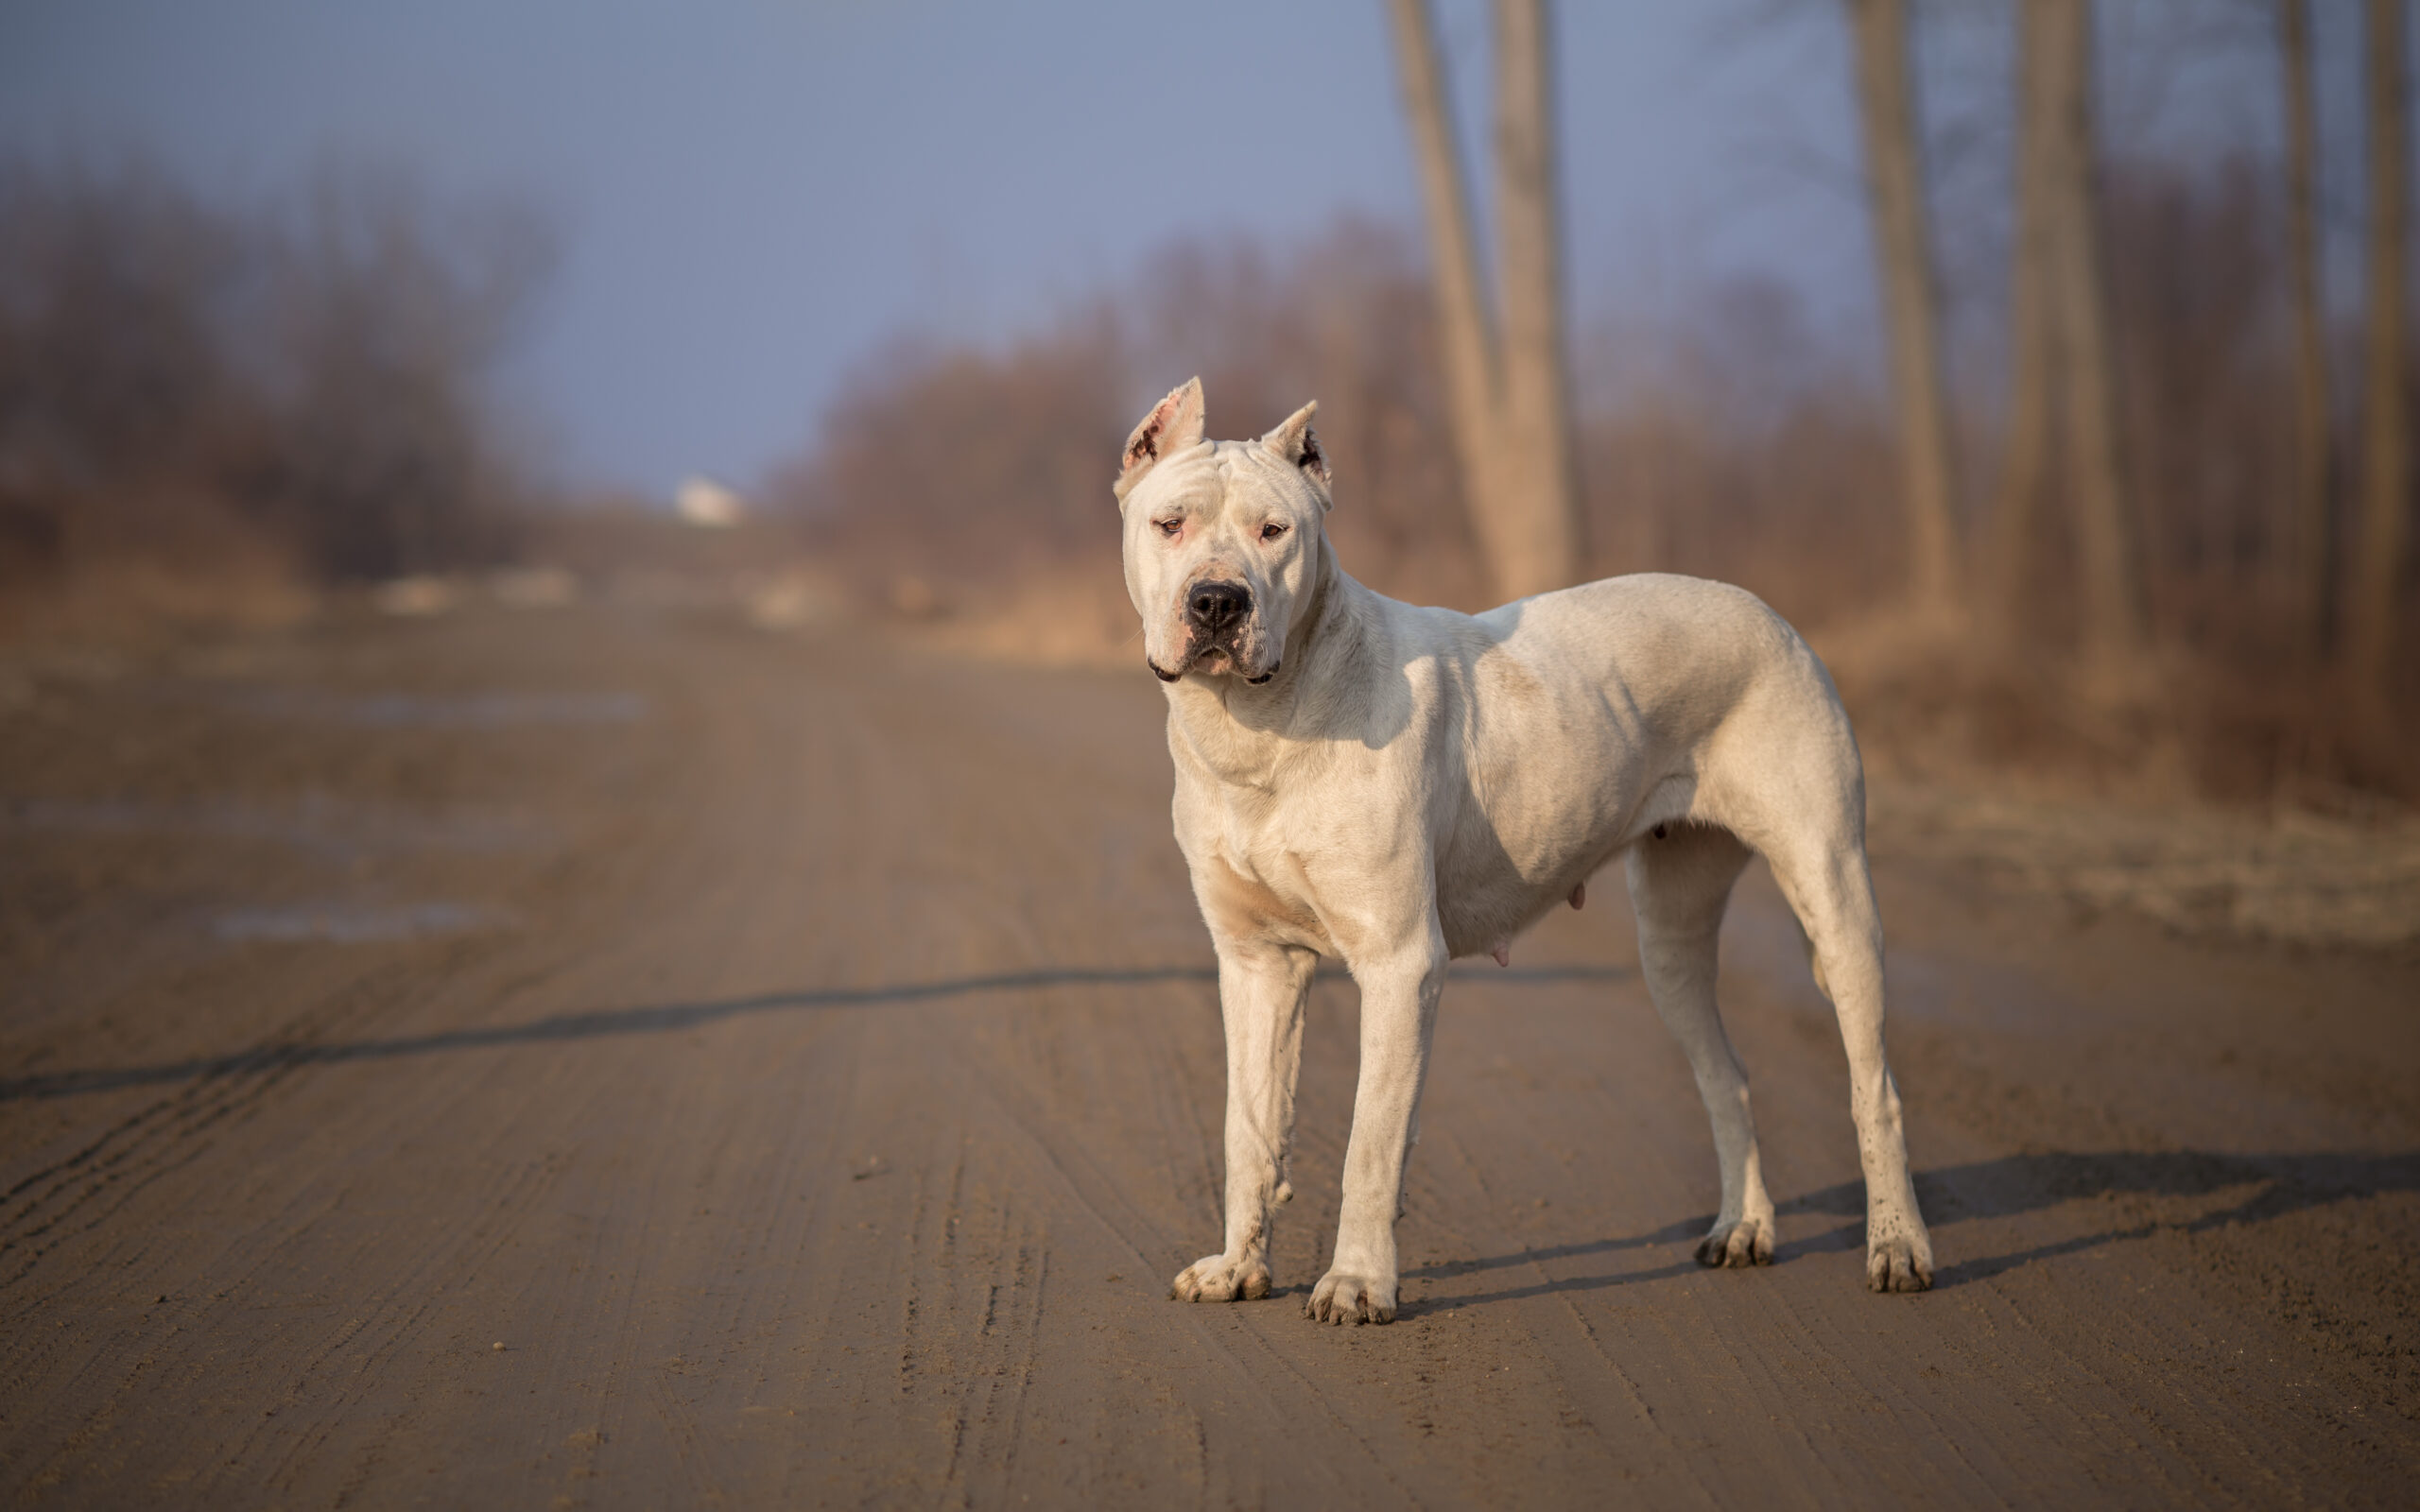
<point>1217,613</point>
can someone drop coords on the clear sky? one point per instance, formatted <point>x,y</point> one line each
<point>754,193</point>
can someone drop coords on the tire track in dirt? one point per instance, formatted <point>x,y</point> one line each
<point>225,1085</point>
<point>214,1098</point>
<point>1059,1165</point>
<point>158,1139</point>
<point>1245,1360</point>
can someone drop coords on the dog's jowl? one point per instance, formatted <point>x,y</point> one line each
<point>1399,786</point>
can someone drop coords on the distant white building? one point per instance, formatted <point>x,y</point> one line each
<point>710,505</point>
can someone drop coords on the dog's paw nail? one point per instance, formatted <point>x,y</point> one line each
<point>1894,1265</point>
<point>1218,1278</point>
<point>1341,1298</point>
<point>1737,1245</point>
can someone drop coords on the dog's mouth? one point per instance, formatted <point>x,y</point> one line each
<point>1216,656</point>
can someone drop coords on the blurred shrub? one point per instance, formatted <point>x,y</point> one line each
<point>1724,442</point>
<point>963,466</point>
<point>305,381</point>
<point>961,463</point>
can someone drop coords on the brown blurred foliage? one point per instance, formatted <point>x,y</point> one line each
<point>1726,440</point>
<point>289,390</point>
<point>1735,448</point>
<point>963,466</point>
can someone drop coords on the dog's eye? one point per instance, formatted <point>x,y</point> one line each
<point>1272,531</point>
<point>1168,527</point>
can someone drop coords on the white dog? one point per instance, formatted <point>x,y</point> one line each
<point>1400,786</point>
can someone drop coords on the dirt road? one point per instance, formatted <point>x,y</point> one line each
<point>622,1058</point>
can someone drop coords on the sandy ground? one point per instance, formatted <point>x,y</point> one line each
<point>618,1058</point>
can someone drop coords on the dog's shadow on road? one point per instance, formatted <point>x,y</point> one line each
<point>2266,1187</point>
<point>670,1017</point>
<point>654,1019</point>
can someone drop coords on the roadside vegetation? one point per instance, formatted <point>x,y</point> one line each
<point>2143,525</point>
<point>210,407</point>
<point>2116,490</point>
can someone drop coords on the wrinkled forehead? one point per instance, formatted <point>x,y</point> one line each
<point>1211,476</point>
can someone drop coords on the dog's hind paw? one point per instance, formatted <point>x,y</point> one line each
<point>1220,1279</point>
<point>1898,1265</point>
<point>1737,1245</point>
<point>1343,1298</point>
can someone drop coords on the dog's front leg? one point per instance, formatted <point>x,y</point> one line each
<point>1261,988</point>
<point>1398,1016</point>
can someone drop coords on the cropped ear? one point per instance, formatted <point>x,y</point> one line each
<point>1299,444</point>
<point>1174,423</point>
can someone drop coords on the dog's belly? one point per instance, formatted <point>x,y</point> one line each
<point>1486,895</point>
<point>1482,921</point>
<point>1481,907</point>
<point>1495,879</point>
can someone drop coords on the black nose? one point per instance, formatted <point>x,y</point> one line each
<point>1215,606</point>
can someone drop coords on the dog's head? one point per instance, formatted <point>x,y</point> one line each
<point>1222,538</point>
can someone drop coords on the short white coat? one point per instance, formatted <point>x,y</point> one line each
<point>1399,786</point>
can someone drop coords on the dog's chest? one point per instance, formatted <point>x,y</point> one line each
<point>1250,868</point>
<point>1257,843</point>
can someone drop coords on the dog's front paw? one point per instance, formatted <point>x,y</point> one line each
<point>1344,1298</point>
<point>1898,1265</point>
<point>1737,1246</point>
<point>1220,1279</point>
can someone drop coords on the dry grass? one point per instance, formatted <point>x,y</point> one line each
<point>2288,875</point>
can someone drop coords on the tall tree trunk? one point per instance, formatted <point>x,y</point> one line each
<point>1904,258</point>
<point>2315,484</point>
<point>1509,397</point>
<point>1471,384</point>
<point>2025,452</point>
<point>1539,503</point>
<point>2386,471</point>
<point>2114,616</point>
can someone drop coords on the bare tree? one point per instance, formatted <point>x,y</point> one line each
<point>1904,258</point>
<point>1471,378</point>
<point>2314,563</point>
<point>1541,495</point>
<point>2026,448</point>
<point>393,310</point>
<point>1511,388</point>
<point>2386,473</point>
<point>2114,610</point>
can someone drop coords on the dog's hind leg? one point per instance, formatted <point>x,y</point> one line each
<point>1821,867</point>
<point>1680,881</point>
<point>1261,989</point>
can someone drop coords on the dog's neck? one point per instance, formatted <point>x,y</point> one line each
<point>1242,734</point>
